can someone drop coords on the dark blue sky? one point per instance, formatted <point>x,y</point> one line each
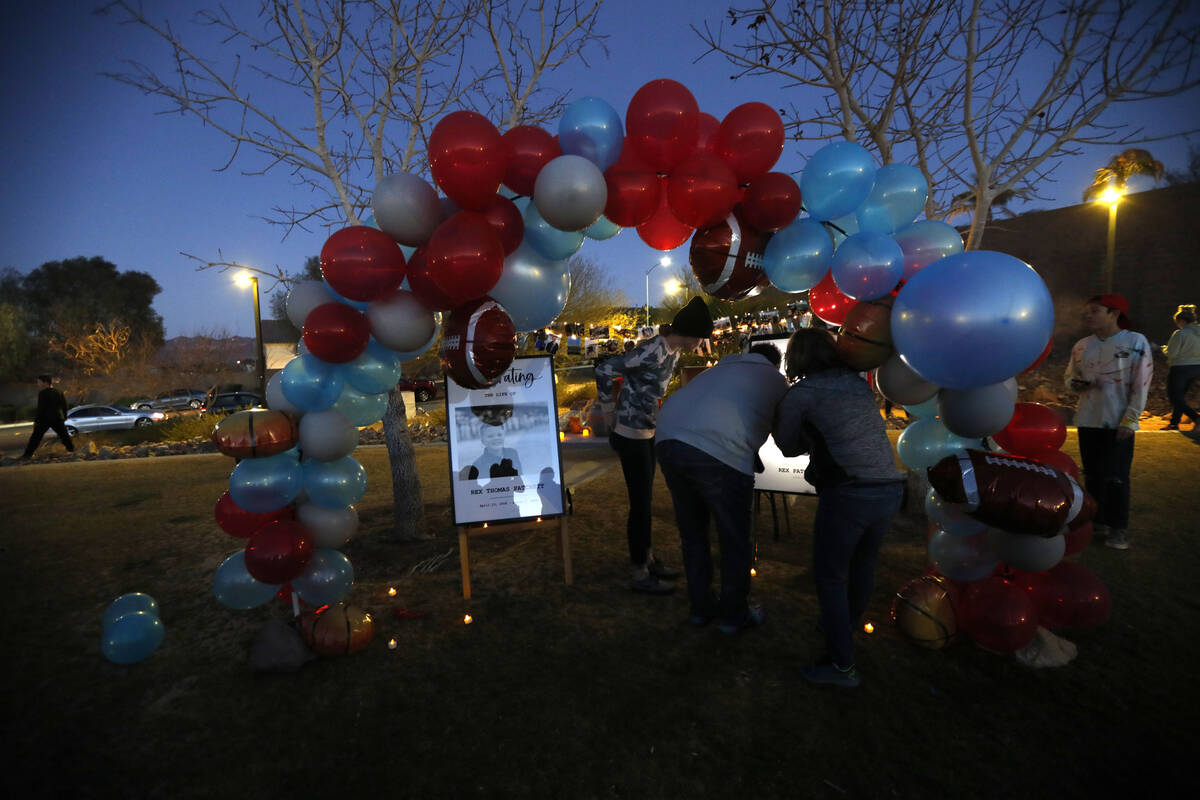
<point>90,168</point>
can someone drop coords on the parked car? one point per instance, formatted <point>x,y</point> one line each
<point>176,398</point>
<point>228,402</point>
<point>422,389</point>
<point>89,419</point>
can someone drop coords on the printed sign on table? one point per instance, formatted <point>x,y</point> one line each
<point>782,474</point>
<point>504,457</point>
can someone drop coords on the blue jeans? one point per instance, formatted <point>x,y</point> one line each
<point>1179,380</point>
<point>848,530</point>
<point>703,488</point>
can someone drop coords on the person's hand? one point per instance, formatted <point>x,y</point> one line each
<point>1124,433</point>
<point>1079,384</point>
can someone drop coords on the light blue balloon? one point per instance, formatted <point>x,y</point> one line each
<point>962,558</point>
<point>259,485</point>
<point>409,355</point>
<point>602,229</point>
<point>334,484</point>
<point>310,384</point>
<point>326,579</point>
<point>547,240</point>
<point>896,198</point>
<point>532,288</point>
<point>950,517</point>
<point>972,319</point>
<point>234,587</point>
<point>867,265</point>
<point>925,410</point>
<point>924,242</point>
<point>375,371</point>
<point>132,637</point>
<point>362,409</point>
<point>798,256</point>
<point>925,442</point>
<point>129,604</point>
<point>591,128</point>
<point>836,180</point>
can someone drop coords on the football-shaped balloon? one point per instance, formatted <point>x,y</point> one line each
<point>337,630</point>
<point>865,340</point>
<point>478,343</point>
<point>727,259</point>
<point>255,433</point>
<point>362,263</point>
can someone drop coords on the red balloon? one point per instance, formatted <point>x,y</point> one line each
<point>336,333</point>
<point>771,201</point>
<point>1033,429</point>
<point>663,231</point>
<point>702,191</point>
<point>633,189</point>
<point>1059,460</point>
<point>236,521</point>
<point>827,301</point>
<point>1084,599</point>
<point>506,220</point>
<point>422,285</point>
<point>999,615</point>
<point>1078,539</point>
<point>278,551</point>
<point>662,122</point>
<point>1041,358</point>
<point>750,140</point>
<point>362,263</point>
<point>468,158</point>
<point>706,136</point>
<point>529,149</point>
<point>464,257</point>
<point>1051,612</point>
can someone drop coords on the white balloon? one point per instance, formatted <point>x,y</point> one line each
<point>570,193</point>
<point>275,399</point>
<point>400,322</point>
<point>898,383</point>
<point>978,412</point>
<point>406,208</point>
<point>330,527</point>
<point>1025,552</point>
<point>304,297</point>
<point>327,435</point>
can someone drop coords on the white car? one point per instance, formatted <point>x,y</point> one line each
<point>89,419</point>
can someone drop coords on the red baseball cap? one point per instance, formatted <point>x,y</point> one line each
<point>1117,303</point>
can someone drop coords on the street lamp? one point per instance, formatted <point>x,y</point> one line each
<point>665,261</point>
<point>247,279</point>
<point>1112,198</point>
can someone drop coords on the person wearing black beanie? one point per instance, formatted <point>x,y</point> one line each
<point>629,389</point>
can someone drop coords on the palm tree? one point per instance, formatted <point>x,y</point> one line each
<point>1123,166</point>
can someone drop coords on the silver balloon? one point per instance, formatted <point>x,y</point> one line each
<point>979,412</point>
<point>327,435</point>
<point>533,289</point>
<point>570,193</point>
<point>406,208</point>
<point>330,527</point>
<point>275,399</point>
<point>898,383</point>
<point>400,322</point>
<point>1029,553</point>
<point>304,297</point>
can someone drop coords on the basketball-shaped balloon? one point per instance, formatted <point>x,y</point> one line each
<point>727,259</point>
<point>865,340</point>
<point>362,263</point>
<point>256,433</point>
<point>924,611</point>
<point>478,343</point>
<point>337,630</point>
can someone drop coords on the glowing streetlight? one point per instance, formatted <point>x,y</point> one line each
<point>1110,197</point>
<point>665,261</point>
<point>248,279</point>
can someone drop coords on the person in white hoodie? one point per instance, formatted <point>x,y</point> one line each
<point>708,437</point>
<point>1111,371</point>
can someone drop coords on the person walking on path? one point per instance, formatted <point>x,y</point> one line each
<point>1111,372</point>
<point>631,414</point>
<point>708,437</point>
<point>51,413</point>
<point>831,414</point>
<point>1183,365</point>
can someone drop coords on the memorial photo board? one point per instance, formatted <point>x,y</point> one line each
<point>505,464</point>
<point>781,474</point>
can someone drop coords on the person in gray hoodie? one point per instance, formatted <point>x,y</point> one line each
<point>831,414</point>
<point>709,434</point>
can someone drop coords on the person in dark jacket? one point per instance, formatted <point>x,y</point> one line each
<point>51,412</point>
<point>831,414</point>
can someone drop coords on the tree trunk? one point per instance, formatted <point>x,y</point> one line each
<point>406,488</point>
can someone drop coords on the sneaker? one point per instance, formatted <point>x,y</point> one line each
<point>649,584</point>
<point>829,674</point>
<point>660,570</point>
<point>1117,541</point>
<point>754,617</point>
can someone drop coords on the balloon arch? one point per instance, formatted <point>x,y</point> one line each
<point>945,331</point>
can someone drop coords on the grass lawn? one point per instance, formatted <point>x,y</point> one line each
<point>585,691</point>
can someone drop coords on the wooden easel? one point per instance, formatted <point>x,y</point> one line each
<point>540,523</point>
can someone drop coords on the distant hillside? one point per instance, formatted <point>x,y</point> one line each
<point>186,351</point>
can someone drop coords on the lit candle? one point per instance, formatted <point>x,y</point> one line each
<point>467,619</point>
<point>869,628</point>
<point>391,644</point>
<point>391,591</point>
<point>753,572</point>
